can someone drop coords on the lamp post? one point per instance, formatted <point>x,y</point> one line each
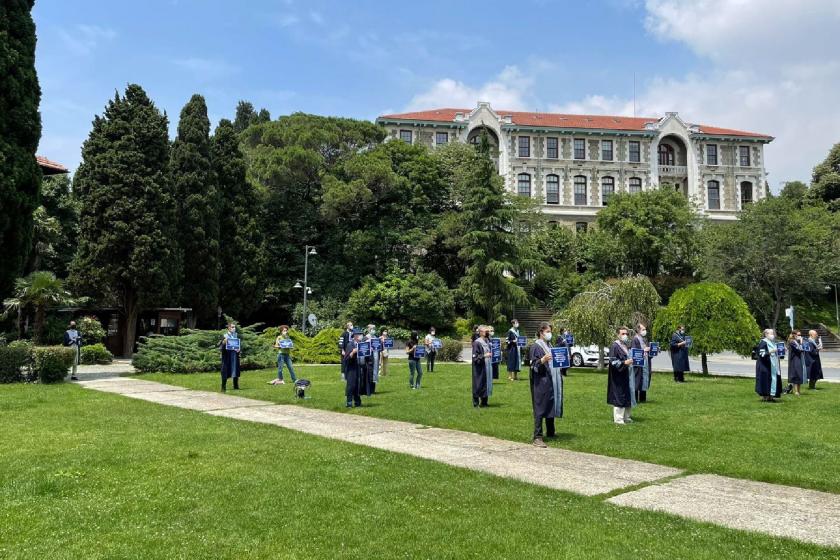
<point>836,306</point>
<point>307,250</point>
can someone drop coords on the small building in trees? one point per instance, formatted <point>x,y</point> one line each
<point>49,167</point>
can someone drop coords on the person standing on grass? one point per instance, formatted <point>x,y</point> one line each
<point>371,365</point>
<point>493,364</point>
<point>546,383</point>
<point>284,357</point>
<point>563,343</point>
<point>768,376</point>
<point>514,358</point>
<point>415,370</point>
<point>621,382</point>
<point>797,373</point>
<point>813,363</point>
<point>73,339</point>
<point>643,372</point>
<point>482,372</point>
<point>431,351</point>
<point>679,354</point>
<point>230,358</point>
<point>345,337</point>
<point>383,354</point>
<point>352,375</point>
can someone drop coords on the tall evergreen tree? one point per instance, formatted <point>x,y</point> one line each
<point>246,115</point>
<point>126,229</point>
<point>241,254</point>
<point>20,132</point>
<point>193,182</point>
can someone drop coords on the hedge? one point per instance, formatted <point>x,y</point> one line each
<point>96,354</point>
<point>22,361</point>
<point>51,363</point>
<point>450,350</point>
<point>14,361</point>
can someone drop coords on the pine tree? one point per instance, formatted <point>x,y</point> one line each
<point>241,253</point>
<point>246,115</point>
<point>126,228</point>
<point>20,132</point>
<point>490,248</point>
<point>194,185</point>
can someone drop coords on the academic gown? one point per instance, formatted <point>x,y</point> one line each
<point>797,373</point>
<point>768,378</point>
<point>342,344</point>
<point>514,358</point>
<point>642,372</point>
<point>230,360</point>
<point>813,364</point>
<point>369,372</point>
<point>621,381</point>
<point>482,372</point>
<point>352,374</point>
<point>546,384</point>
<point>679,354</point>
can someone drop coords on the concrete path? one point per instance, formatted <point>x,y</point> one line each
<point>781,511</point>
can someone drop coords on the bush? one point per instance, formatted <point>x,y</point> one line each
<point>450,351</point>
<point>14,357</point>
<point>51,363</point>
<point>96,354</point>
<point>320,349</point>
<point>463,328</point>
<point>91,329</point>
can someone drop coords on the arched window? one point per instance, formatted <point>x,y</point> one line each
<point>746,193</point>
<point>666,154</point>
<point>552,189</point>
<point>714,195</point>
<point>635,185</point>
<point>580,191</point>
<point>523,184</point>
<point>607,189</point>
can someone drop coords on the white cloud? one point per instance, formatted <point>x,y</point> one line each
<point>82,39</point>
<point>286,20</point>
<point>508,90</point>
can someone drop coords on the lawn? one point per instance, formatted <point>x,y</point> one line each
<point>93,475</point>
<point>710,424</point>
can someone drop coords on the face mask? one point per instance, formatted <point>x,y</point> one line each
<point>771,337</point>
<point>547,336</point>
<point>681,331</point>
<point>643,332</point>
<point>623,338</point>
<point>516,325</point>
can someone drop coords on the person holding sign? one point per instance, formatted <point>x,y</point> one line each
<point>384,349</point>
<point>283,343</point>
<point>768,376</point>
<point>352,375</point>
<point>797,373</point>
<point>345,337</point>
<point>563,341</point>
<point>73,339</point>
<point>494,365</point>
<point>431,351</point>
<point>621,382</point>
<point>546,381</point>
<point>813,363</point>
<point>482,369</point>
<point>414,352</point>
<point>371,364</point>
<point>514,358</point>
<point>679,354</point>
<point>643,371</point>
<point>230,347</point>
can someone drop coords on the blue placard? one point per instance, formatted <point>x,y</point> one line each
<point>780,349</point>
<point>654,349</point>
<point>419,351</point>
<point>522,341</point>
<point>376,344</point>
<point>638,356</point>
<point>437,344</point>
<point>806,345</point>
<point>560,357</point>
<point>232,343</point>
<point>364,349</point>
<point>389,342</point>
<point>286,343</point>
<point>570,339</point>
<point>689,341</point>
<point>496,350</point>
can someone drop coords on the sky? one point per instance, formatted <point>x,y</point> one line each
<point>768,66</point>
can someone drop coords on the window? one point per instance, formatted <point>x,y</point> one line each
<point>635,185</point>
<point>711,154</point>
<point>606,150</point>
<point>405,136</point>
<point>714,195</point>
<point>666,154</point>
<point>552,189</point>
<point>580,227</point>
<point>524,146</point>
<point>580,191</point>
<point>441,137</point>
<point>744,155</point>
<point>607,189</point>
<point>580,148</point>
<point>746,193</point>
<point>523,184</point>
<point>551,148</point>
<point>635,151</point>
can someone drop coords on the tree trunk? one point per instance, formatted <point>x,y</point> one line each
<point>704,363</point>
<point>40,316</point>
<point>132,310</point>
<point>601,357</point>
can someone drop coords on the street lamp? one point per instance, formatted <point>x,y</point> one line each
<point>836,306</point>
<point>307,250</point>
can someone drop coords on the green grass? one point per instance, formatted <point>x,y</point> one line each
<point>94,475</point>
<point>710,424</point>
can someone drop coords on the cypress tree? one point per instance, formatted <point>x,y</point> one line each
<point>241,248</point>
<point>20,132</point>
<point>126,234</point>
<point>198,211</point>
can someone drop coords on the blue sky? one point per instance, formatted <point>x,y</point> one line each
<point>708,60</point>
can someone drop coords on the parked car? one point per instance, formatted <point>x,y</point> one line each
<point>585,356</point>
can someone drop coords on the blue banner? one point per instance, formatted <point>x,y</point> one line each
<point>806,346</point>
<point>389,342</point>
<point>654,349</point>
<point>689,341</point>
<point>232,344</point>
<point>376,344</point>
<point>364,349</point>
<point>638,356</point>
<point>522,341</point>
<point>496,350</point>
<point>419,351</point>
<point>437,344</point>
<point>780,349</point>
<point>286,343</point>
<point>570,339</point>
<point>560,357</point>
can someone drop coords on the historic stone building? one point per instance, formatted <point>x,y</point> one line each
<point>573,163</point>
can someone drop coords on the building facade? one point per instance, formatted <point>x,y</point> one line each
<point>572,164</point>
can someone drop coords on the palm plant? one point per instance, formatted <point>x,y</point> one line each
<point>40,290</point>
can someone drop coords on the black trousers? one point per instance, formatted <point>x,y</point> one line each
<point>679,376</point>
<point>352,389</point>
<point>549,427</point>
<point>430,361</point>
<point>641,396</point>
<point>479,401</point>
<point>235,382</point>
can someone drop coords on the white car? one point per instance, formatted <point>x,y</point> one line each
<point>585,356</point>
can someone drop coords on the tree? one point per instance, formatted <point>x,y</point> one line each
<point>715,316</point>
<point>246,116</point>
<point>796,190</point>
<point>194,185</point>
<point>39,291</point>
<point>241,254</point>
<point>825,185</point>
<point>594,314</point>
<point>20,132</point>
<point>126,234</point>
<point>61,210</point>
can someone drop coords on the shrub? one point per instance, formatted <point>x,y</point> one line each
<point>320,349</point>
<point>450,351</point>
<point>51,363</point>
<point>96,354</point>
<point>13,358</point>
<point>463,328</point>
<point>91,329</point>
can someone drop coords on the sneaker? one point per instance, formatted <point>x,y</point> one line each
<point>621,422</point>
<point>281,382</point>
<point>73,378</point>
<point>349,405</point>
<point>538,442</point>
<point>628,420</point>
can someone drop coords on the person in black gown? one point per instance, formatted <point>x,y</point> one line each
<point>230,359</point>
<point>482,371</point>
<point>813,363</point>
<point>643,373</point>
<point>621,383</point>
<point>514,359</point>
<point>352,371</point>
<point>768,376</point>
<point>679,354</point>
<point>546,383</point>
<point>797,375</point>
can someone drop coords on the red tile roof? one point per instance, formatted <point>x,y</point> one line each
<point>557,120</point>
<point>50,167</point>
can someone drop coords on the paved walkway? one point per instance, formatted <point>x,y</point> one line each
<point>782,511</point>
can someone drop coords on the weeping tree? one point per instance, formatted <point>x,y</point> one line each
<point>715,316</point>
<point>594,314</point>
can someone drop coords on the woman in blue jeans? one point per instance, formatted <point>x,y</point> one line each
<point>414,368</point>
<point>284,356</point>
